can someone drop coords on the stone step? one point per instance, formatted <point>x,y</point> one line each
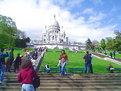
<point>57,74</point>
<point>67,84</point>
<point>80,88</point>
<point>78,85</point>
<point>71,76</point>
<point>69,80</point>
<point>68,76</point>
<point>77,81</point>
<point>90,75</point>
<point>86,88</point>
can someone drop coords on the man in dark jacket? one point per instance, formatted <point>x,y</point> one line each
<point>87,58</point>
<point>11,58</point>
<point>2,64</point>
<point>17,62</point>
<point>35,55</point>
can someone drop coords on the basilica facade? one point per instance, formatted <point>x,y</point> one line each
<point>54,34</point>
<point>54,37</point>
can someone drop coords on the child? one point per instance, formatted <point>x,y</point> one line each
<point>111,69</point>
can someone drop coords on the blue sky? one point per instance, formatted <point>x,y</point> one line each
<point>81,19</point>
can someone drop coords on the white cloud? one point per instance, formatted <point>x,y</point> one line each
<point>97,17</point>
<point>31,16</point>
<point>68,4</point>
<point>97,2</point>
<point>88,11</point>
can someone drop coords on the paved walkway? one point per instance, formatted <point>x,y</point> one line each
<point>108,59</point>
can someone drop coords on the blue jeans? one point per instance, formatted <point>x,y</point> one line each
<point>63,69</point>
<point>87,67</point>
<point>27,87</point>
<point>2,70</point>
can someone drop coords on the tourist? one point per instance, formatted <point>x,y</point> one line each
<point>2,64</point>
<point>87,58</point>
<point>91,69</point>
<point>10,60</point>
<point>40,49</point>
<point>63,61</point>
<point>17,62</point>
<point>111,54</point>
<point>35,55</point>
<point>114,54</point>
<point>47,68</point>
<point>6,64</point>
<point>26,76</point>
<point>110,68</point>
<point>28,54</point>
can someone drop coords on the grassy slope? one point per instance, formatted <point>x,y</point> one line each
<point>76,61</point>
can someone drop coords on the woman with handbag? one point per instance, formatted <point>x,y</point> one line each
<point>26,76</point>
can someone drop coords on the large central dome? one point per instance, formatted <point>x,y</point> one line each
<point>54,22</point>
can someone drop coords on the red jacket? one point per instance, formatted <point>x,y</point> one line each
<point>26,75</point>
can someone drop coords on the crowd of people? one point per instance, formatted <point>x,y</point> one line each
<point>27,72</point>
<point>21,64</point>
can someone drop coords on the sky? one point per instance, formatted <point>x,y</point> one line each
<point>81,19</point>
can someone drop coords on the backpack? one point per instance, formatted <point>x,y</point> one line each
<point>36,81</point>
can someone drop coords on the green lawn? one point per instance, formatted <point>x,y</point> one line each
<point>117,55</point>
<point>75,61</point>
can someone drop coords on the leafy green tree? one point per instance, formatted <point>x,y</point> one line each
<point>8,25</point>
<point>8,31</point>
<point>102,44</point>
<point>88,44</point>
<point>110,43</point>
<point>20,43</point>
<point>21,40</point>
<point>117,41</point>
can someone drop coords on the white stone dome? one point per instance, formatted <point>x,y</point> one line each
<point>54,23</point>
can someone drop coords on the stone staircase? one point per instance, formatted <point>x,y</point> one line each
<point>70,82</point>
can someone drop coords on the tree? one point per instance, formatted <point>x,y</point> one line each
<point>117,41</point>
<point>27,40</point>
<point>21,39</point>
<point>88,44</point>
<point>20,34</point>
<point>8,31</point>
<point>103,44</point>
<point>20,43</point>
<point>8,25</point>
<point>110,43</point>
<point>95,45</point>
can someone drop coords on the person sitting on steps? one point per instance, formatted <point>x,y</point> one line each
<point>47,68</point>
<point>111,68</point>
